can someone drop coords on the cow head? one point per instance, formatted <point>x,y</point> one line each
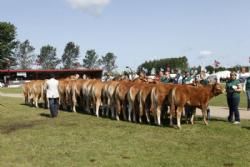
<point>217,89</point>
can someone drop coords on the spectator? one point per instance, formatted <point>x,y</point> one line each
<point>204,82</point>
<point>164,78</point>
<point>187,79</point>
<point>178,77</point>
<point>233,88</point>
<point>53,95</point>
<point>247,90</point>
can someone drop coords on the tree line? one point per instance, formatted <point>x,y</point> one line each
<point>15,54</point>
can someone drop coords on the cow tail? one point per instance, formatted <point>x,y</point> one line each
<point>153,100</point>
<point>172,100</point>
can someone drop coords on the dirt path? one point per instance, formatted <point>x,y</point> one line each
<point>221,112</point>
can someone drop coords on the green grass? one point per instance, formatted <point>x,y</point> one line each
<point>29,138</point>
<point>11,90</point>
<point>221,100</point>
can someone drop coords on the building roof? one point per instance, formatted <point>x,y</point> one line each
<point>55,70</point>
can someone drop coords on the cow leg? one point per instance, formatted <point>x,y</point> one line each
<point>74,107</point>
<point>118,110</point>
<point>172,112</point>
<point>124,111</point>
<point>108,107</point>
<point>179,111</point>
<point>140,113</point>
<point>134,114</point>
<point>187,110</point>
<point>97,106</point>
<point>192,119</point>
<point>74,104</point>
<point>158,112</point>
<point>112,112</point>
<point>36,102</point>
<point>47,102</point>
<point>88,104</point>
<point>204,113</point>
<point>155,116</point>
<point>193,114</point>
<point>140,109</point>
<point>130,108</point>
<point>147,115</point>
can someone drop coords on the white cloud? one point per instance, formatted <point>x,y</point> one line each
<point>206,52</point>
<point>94,7</point>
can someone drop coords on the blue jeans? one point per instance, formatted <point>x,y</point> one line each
<point>53,107</point>
<point>248,99</point>
<point>233,104</point>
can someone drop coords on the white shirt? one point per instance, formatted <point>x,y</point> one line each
<point>52,88</point>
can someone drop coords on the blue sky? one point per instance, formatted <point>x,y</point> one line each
<point>137,30</point>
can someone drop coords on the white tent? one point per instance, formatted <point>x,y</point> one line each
<point>218,76</point>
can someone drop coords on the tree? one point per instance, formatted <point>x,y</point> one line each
<point>210,69</point>
<point>108,62</point>
<point>70,55</point>
<point>173,63</point>
<point>7,44</point>
<point>47,57</point>
<point>24,55</point>
<point>91,59</point>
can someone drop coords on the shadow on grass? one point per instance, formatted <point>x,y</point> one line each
<point>40,105</point>
<point>15,126</point>
<point>211,119</point>
<point>246,127</point>
<point>7,129</point>
<point>45,115</point>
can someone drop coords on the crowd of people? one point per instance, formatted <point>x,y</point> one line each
<point>233,89</point>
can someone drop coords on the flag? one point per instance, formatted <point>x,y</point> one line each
<point>216,63</point>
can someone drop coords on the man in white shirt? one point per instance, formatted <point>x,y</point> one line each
<point>52,93</point>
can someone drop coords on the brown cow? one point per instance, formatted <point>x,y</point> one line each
<point>144,98</point>
<point>76,93</point>
<point>120,97</point>
<point>159,98</point>
<point>86,89</point>
<point>26,91</point>
<point>37,92</point>
<point>108,92</point>
<point>199,97</point>
<point>133,102</point>
<point>96,95</point>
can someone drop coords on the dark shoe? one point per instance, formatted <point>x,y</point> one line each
<point>229,119</point>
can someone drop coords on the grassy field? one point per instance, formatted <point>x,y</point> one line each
<point>222,101</point>
<point>11,90</point>
<point>28,137</point>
